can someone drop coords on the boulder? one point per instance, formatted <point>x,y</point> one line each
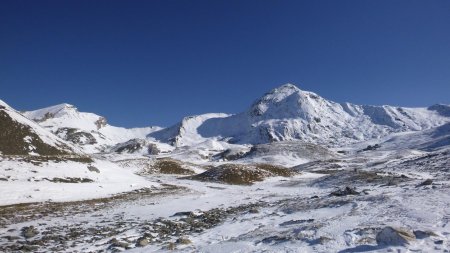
<point>142,242</point>
<point>390,236</point>
<point>344,192</point>
<point>29,232</point>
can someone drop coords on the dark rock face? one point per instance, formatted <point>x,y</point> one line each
<point>76,136</point>
<point>101,122</point>
<point>47,115</point>
<point>230,155</point>
<point>135,145</point>
<point>153,149</point>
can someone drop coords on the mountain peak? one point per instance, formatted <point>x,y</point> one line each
<point>63,106</point>
<point>51,112</point>
<point>285,89</point>
<point>288,86</point>
<point>289,93</point>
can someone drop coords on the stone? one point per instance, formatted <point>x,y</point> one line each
<point>420,234</point>
<point>347,191</point>
<point>142,242</point>
<point>170,246</point>
<point>183,240</point>
<point>29,232</point>
<point>390,236</point>
<point>93,169</point>
<point>183,214</point>
<point>426,182</point>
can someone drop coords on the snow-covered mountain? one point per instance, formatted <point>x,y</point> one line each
<point>288,113</point>
<point>89,131</point>
<point>185,133</point>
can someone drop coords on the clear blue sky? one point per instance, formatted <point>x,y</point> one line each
<point>152,62</point>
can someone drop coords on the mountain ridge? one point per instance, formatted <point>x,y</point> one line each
<point>285,113</point>
<point>289,113</point>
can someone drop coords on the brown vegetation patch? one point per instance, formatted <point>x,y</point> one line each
<point>163,166</point>
<point>239,174</point>
<point>13,137</point>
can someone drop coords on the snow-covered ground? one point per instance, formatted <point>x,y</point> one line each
<point>30,179</point>
<point>296,214</point>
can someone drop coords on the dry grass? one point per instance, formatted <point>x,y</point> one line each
<point>13,135</point>
<point>238,174</point>
<point>168,166</point>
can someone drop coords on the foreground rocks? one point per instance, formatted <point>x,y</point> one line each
<point>109,233</point>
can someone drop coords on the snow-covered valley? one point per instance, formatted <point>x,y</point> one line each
<point>293,173</point>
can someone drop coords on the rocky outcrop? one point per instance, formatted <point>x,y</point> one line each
<point>391,236</point>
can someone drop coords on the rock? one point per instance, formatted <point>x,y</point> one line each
<point>423,234</point>
<point>101,122</point>
<point>153,149</point>
<point>295,222</point>
<point>116,243</point>
<point>29,232</point>
<point>275,239</point>
<point>32,248</point>
<point>11,238</point>
<point>390,236</point>
<point>142,242</point>
<point>190,214</point>
<point>344,192</point>
<point>93,169</point>
<point>253,210</point>
<point>183,240</point>
<point>320,240</point>
<point>370,148</point>
<point>426,182</point>
<point>170,246</point>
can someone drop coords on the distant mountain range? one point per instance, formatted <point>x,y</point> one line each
<point>285,114</point>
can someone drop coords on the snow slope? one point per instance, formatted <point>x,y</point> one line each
<point>185,133</point>
<point>37,179</point>
<point>63,118</point>
<point>36,165</point>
